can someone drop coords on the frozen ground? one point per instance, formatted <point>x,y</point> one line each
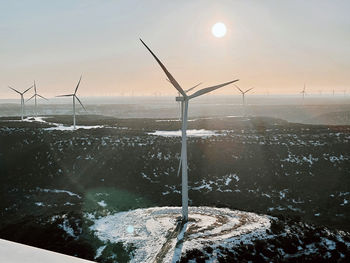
<point>156,236</point>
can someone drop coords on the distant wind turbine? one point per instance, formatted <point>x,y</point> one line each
<point>243,96</point>
<point>22,99</point>
<point>74,97</point>
<point>304,93</point>
<point>184,99</point>
<point>35,96</point>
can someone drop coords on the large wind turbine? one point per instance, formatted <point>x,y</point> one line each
<point>74,96</point>
<point>243,97</point>
<point>35,96</point>
<point>22,99</point>
<point>184,99</point>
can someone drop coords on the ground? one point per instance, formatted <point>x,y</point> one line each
<point>57,183</point>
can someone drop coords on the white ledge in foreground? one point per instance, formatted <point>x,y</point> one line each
<point>12,252</point>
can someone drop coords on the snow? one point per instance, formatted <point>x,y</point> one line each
<point>102,203</point>
<point>60,127</point>
<point>58,191</point>
<point>67,228</point>
<point>345,202</point>
<point>12,252</point>
<point>99,251</point>
<point>152,229</point>
<point>190,133</point>
<point>37,119</point>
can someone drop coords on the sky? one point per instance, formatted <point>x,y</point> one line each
<point>274,46</point>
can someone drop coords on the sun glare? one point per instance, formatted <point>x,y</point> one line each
<point>219,30</point>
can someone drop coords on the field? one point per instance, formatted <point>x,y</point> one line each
<point>55,183</point>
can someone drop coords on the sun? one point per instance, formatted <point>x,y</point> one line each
<point>219,30</point>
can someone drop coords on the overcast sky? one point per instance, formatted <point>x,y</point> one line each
<point>270,45</point>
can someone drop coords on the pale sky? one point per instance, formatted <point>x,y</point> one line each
<point>270,45</point>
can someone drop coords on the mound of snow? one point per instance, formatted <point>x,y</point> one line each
<point>156,236</point>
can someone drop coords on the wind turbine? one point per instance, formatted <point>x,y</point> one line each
<point>74,96</point>
<point>35,96</point>
<point>243,97</point>
<point>184,99</point>
<point>303,92</point>
<point>22,99</point>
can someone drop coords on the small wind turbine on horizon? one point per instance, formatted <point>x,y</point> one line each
<point>243,96</point>
<point>35,96</point>
<point>74,96</point>
<point>304,93</point>
<point>184,99</point>
<point>22,99</point>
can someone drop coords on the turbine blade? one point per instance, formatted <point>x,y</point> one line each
<point>76,89</point>
<point>167,73</point>
<point>80,102</point>
<point>30,98</point>
<point>68,95</point>
<point>15,90</point>
<point>27,89</point>
<point>209,89</point>
<point>193,87</point>
<point>34,87</point>
<point>248,90</point>
<point>42,97</point>
<point>239,89</point>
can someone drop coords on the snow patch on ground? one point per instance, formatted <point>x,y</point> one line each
<point>56,191</point>
<point>102,203</point>
<point>152,227</point>
<point>60,127</point>
<point>190,133</point>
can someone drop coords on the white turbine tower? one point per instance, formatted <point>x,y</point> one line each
<point>35,96</point>
<point>243,97</point>
<point>74,96</point>
<point>22,99</point>
<point>184,99</point>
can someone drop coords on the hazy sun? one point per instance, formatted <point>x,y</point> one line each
<point>219,29</point>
